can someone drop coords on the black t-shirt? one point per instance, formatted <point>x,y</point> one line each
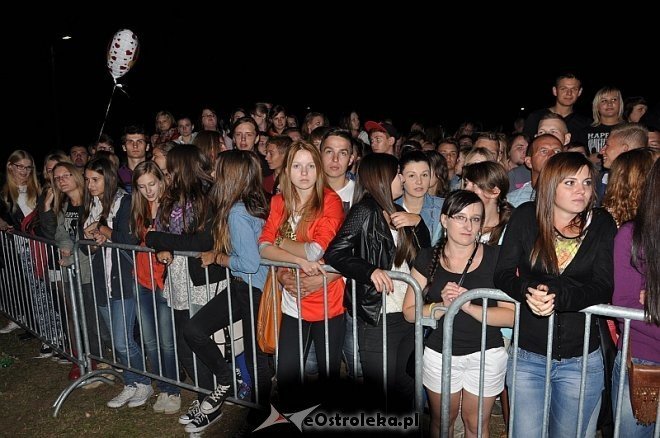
<point>467,330</point>
<point>72,221</point>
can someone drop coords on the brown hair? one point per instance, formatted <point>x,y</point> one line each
<point>140,212</point>
<point>238,180</point>
<point>626,183</point>
<point>489,175</point>
<point>556,169</point>
<point>375,176</point>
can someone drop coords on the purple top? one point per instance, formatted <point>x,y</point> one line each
<point>628,282</point>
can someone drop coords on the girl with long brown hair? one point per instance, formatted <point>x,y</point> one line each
<point>556,258</point>
<point>240,212</point>
<point>376,237</point>
<point>154,313</point>
<point>637,285</point>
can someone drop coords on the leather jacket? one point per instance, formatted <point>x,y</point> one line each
<point>363,244</point>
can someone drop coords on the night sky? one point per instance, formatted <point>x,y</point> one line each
<point>420,72</point>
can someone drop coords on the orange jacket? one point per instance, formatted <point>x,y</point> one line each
<point>322,230</point>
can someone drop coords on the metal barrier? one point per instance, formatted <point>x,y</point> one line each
<point>37,293</point>
<point>98,351</point>
<point>600,310</point>
<point>34,295</point>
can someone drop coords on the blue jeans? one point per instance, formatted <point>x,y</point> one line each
<point>123,322</point>
<point>166,366</point>
<point>629,426</point>
<point>564,394</point>
<point>348,349</point>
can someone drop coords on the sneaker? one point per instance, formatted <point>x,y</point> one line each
<point>167,403</point>
<point>189,416</point>
<point>10,327</point>
<point>141,395</point>
<point>124,396</point>
<point>45,352</point>
<point>213,401</point>
<point>244,392</point>
<point>202,421</point>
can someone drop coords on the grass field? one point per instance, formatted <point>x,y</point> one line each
<point>29,387</point>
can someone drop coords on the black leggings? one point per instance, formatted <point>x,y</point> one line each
<point>215,316</point>
<point>288,369</point>
<point>400,344</point>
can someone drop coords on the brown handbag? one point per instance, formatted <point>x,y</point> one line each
<point>269,317</point>
<point>644,385</point>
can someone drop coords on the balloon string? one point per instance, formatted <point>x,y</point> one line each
<point>107,111</point>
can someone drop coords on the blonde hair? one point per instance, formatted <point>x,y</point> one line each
<point>598,96</point>
<point>10,189</point>
<point>76,174</point>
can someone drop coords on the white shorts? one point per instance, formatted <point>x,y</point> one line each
<point>465,371</point>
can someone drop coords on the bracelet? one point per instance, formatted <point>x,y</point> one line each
<point>278,241</point>
<point>430,309</point>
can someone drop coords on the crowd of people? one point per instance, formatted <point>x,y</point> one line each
<point>560,215</point>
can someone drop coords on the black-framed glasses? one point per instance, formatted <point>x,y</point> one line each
<point>22,168</point>
<point>461,219</point>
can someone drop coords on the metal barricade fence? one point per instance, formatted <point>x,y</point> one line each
<point>599,310</point>
<point>52,303</point>
<point>100,350</point>
<point>37,293</point>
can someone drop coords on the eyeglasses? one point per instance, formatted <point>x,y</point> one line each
<point>62,177</point>
<point>476,220</point>
<point>22,168</point>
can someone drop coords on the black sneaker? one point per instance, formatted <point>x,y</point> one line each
<point>213,401</point>
<point>192,413</point>
<point>202,421</point>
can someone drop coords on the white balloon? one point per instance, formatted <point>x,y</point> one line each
<point>122,53</point>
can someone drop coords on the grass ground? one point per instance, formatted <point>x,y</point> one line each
<point>29,386</point>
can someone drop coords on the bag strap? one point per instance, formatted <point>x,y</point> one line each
<point>629,359</point>
<point>468,264</point>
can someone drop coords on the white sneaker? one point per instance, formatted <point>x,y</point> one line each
<point>141,395</point>
<point>10,327</point>
<point>123,397</point>
<point>167,403</point>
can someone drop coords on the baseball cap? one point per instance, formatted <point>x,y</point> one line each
<point>382,127</point>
